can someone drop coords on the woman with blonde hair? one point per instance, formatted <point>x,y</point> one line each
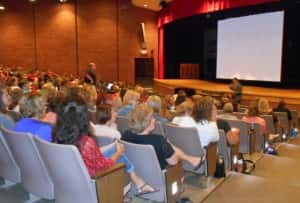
<point>33,108</point>
<point>184,115</point>
<point>264,107</point>
<point>155,103</point>
<point>141,125</point>
<point>131,98</point>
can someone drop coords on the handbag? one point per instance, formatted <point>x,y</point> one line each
<point>233,136</point>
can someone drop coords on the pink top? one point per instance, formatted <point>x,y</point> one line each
<point>256,119</point>
<point>92,156</point>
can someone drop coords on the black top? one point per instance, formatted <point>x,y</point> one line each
<point>162,147</point>
<point>278,109</point>
<point>223,125</point>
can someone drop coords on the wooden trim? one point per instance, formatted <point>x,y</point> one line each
<point>112,169</point>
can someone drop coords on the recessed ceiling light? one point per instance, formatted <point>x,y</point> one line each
<point>63,1</point>
<point>145,5</point>
<point>32,1</point>
<point>2,7</point>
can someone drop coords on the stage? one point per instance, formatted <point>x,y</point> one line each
<point>274,95</point>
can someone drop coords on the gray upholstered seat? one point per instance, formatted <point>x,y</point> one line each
<point>147,166</point>
<point>34,175</point>
<point>103,140</point>
<point>122,123</point>
<point>187,139</point>
<point>294,115</point>
<point>270,123</point>
<point>9,170</point>
<point>158,129</point>
<point>244,137</point>
<point>71,180</point>
<point>224,149</point>
<point>283,122</point>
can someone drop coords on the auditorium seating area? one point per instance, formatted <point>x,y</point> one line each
<point>253,159</point>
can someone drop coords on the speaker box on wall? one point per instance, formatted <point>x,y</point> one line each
<point>142,36</point>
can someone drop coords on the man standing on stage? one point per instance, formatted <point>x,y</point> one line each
<point>237,89</point>
<point>90,75</point>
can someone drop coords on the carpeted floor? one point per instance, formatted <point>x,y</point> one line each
<point>275,180</point>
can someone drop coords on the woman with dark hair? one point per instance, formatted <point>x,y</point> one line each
<point>72,128</point>
<point>106,122</point>
<point>5,120</point>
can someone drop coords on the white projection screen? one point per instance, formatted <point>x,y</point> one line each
<point>250,47</point>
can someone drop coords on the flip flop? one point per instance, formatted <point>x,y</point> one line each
<point>141,192</point>
<point>196,168</point>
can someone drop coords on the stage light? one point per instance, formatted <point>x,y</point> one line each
<point>2,7</point>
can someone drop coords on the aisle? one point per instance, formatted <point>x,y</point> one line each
<point>275,180</point>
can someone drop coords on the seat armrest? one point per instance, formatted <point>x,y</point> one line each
<point>174,182</point>
<point>108,171</point>
<point>110,181</point>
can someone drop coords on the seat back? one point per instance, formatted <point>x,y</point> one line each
<point>34,175</point>
<point>122,123</point>
<point>283,122</point>
<point>103,140</point>
<point>187,139</point>
<point>244,134</point>
<point>147,166</point>
<point>159,130</point>
<point>239,114</point>
<point>9,169</point>
<point>294,115</point>
<point>224,149</point>
<point>270,123</point>
<point>71,180</point>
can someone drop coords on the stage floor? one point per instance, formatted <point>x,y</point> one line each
<point>274,95</point>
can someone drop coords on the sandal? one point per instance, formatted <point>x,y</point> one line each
<point>141,190</point>
<point>196,168</point>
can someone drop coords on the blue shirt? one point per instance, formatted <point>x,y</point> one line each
<point>7,122</point>
<point>125,110</point>
<point>35,127</point>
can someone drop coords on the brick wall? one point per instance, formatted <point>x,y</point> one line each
<point>65,37</point>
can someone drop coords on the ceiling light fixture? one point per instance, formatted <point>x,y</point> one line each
<point>2,7</point>
<point>146,5</point>
<point>32,1</point>
<point>63,1</point>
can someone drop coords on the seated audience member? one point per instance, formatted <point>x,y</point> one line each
<point>52,108</point>
<point>5,120</point>
<point>180,98</point>
<point>16,95</point>
<point>106,122</point>
<point>73,128</point>
<point>282,108</point>
<point>90,96</point>
<point>205,117</point>
<point>264,109</point>
<point>227,112</point>
<point>33,110</point>
<point>131,98</point>
<point>253,117</point>
<point>141,124</point>
<point>154,102</point>
<point>184,113</point>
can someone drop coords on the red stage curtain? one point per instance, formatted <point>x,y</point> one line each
<point>183,8</point>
